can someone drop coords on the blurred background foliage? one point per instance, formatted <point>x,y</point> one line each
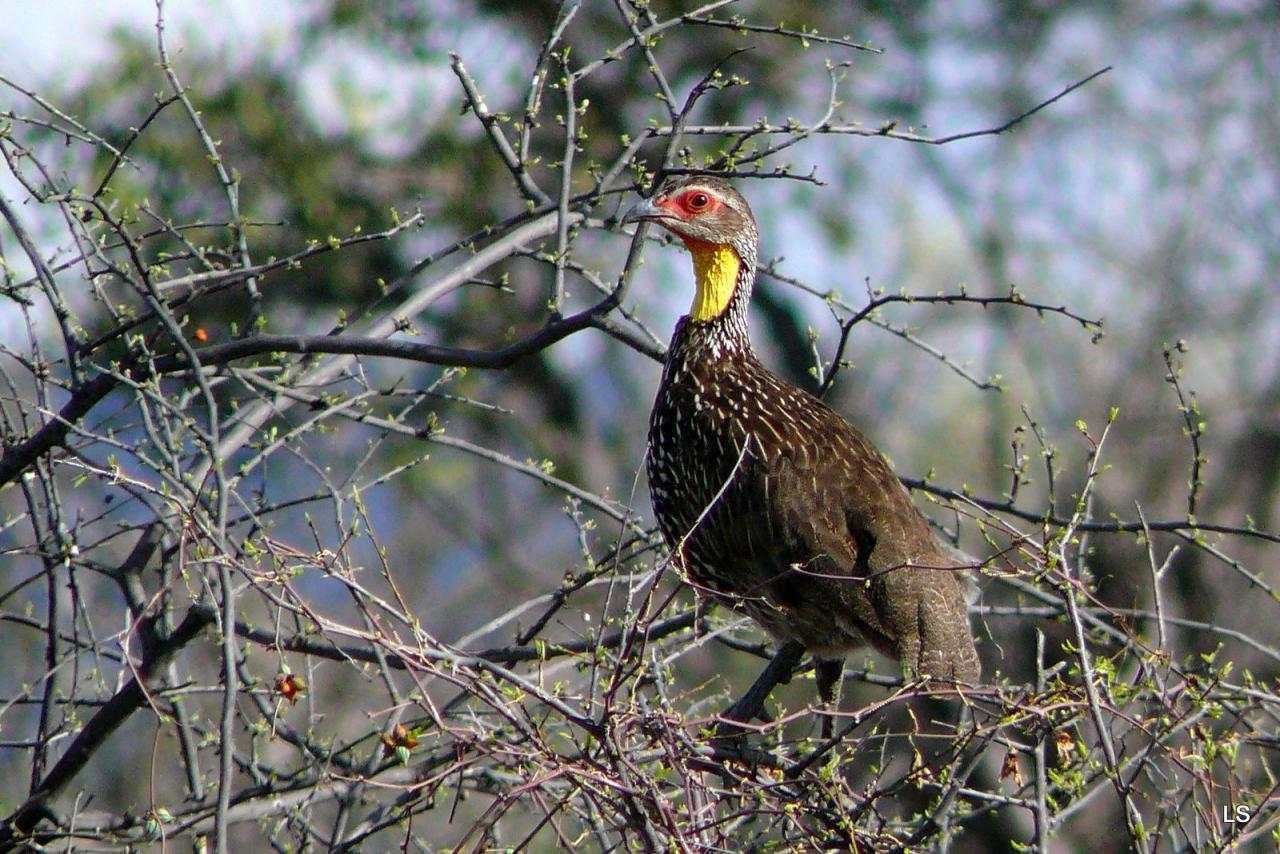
<point>1149,198</point>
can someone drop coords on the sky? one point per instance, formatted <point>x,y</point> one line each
<point>41,56</point>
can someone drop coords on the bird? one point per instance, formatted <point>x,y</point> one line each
<point>772,502</point>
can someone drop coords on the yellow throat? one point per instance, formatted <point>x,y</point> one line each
<point>715,269</point>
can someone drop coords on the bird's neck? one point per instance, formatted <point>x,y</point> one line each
<point>715,330</point>
<point>717,271</point>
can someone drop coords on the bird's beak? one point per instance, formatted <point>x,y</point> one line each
<point>644,211</point>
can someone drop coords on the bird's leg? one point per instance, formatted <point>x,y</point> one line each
<point>827,672</point>
<point>701,608</point>
<point>776,673</point>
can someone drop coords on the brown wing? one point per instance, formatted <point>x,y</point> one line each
<point>853,525</point>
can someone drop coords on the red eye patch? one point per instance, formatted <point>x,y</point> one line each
<point>690,203</point>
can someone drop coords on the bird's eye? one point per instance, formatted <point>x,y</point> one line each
<point>698,201</point>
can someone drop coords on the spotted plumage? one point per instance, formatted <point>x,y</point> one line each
<point>768,498</point>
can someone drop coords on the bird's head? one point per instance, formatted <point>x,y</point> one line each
<point>715,222</point>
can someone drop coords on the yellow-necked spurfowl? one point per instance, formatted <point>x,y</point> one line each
<point>772,502</point>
